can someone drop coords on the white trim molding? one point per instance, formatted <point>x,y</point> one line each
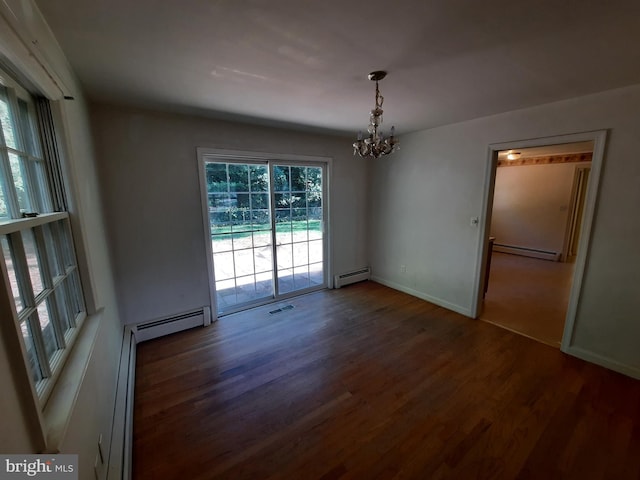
<point>121,445</point>
<point>205,154</point>
<point>599,139</point>
<point>429,298</point>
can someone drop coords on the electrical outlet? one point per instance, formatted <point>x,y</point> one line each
<point>403,269</point>
<point>474,221</point>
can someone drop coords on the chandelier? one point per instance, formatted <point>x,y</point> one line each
<point>375,145</point>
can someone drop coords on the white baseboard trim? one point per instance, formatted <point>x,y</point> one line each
<point>527,252</point>
<point>172,324</point>
<point>120,451</point>
<point>628,370</point>
<point>435,300</point>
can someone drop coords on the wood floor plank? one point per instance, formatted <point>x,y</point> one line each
<point>367,382</point>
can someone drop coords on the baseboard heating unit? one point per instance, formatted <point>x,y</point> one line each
<point>527,252</point>
<point>351,277</point>
<point>173,324</point>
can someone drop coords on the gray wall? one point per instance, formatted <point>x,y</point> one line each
<point>149,177</point>
<point>425,196</point>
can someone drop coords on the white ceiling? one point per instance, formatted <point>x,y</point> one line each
<point>305,62</point>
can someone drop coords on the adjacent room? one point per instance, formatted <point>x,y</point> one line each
<point>332,240</point>
<point>536,218</point>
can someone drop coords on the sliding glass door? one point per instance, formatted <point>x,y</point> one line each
<point>266,224</point>
<point>299,227</point>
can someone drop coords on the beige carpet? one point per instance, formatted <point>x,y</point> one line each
<point>528,296</point>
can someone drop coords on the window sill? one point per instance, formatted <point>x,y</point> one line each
<point>62,400</point>
<point>10,225</point>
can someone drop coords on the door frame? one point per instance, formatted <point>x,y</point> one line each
<point>579,189</point>
<point>205,154</point>
<point>599,140</point>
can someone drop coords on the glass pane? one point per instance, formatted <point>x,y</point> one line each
<point>240,220</point>
<point>63,237</point>
<point>281,176</point>
<point>264,284</point>
<point>30,145</point>
<point>283,231</point>
<point>244,262</point>
<point>314,177</point>
<point>300,254</point>
<point>242,201</point>
<point>259,176</point>
<point>283,201</point>
<point>315,251</point>
<point>6,119</point>
<point>242,240</point>
<point>263,259</point>
<point>77,292</point>
<point>316,275</point>
<point>33,262</point>
<point>301,277</point>
<point>261,239</point>
<point>299,200</point>
<point>68,293</point>
<point>44,196</point>
<point>220,222</point>
<point>217,177</point>
<point>221,243</point>
<point>223,266</point>
<point>4,212</point>
<point>48,335</point>
<point>299,231</point>
<point>315,229</point>
<point>285,280</point>
<point>246,288</point>
<point>64,312</point>
<point>261,220</point>
<point>220,202</point>
<point>20,181</point>
<point>298,179</point>
<point>8,260</point>
<point>285,256</point>
<point>34,365</point>
<point>260,201</point>
<point>238,178</point>
<point>54,253</point>
<point>300,215</point>
<point>225,294</point>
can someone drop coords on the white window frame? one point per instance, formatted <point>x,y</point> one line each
<point>205,155</point>
<point>60,299</point>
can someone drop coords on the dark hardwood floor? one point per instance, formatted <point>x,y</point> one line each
<point>366,382</point>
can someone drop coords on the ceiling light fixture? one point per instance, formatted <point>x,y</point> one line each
<point>513,155</point>
<point>375,145</point>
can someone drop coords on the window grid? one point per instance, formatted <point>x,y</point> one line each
<point>24,185</point>
<point>38,254</point>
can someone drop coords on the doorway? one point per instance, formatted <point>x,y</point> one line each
<point>532,289</point>
<point>265,227</point>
